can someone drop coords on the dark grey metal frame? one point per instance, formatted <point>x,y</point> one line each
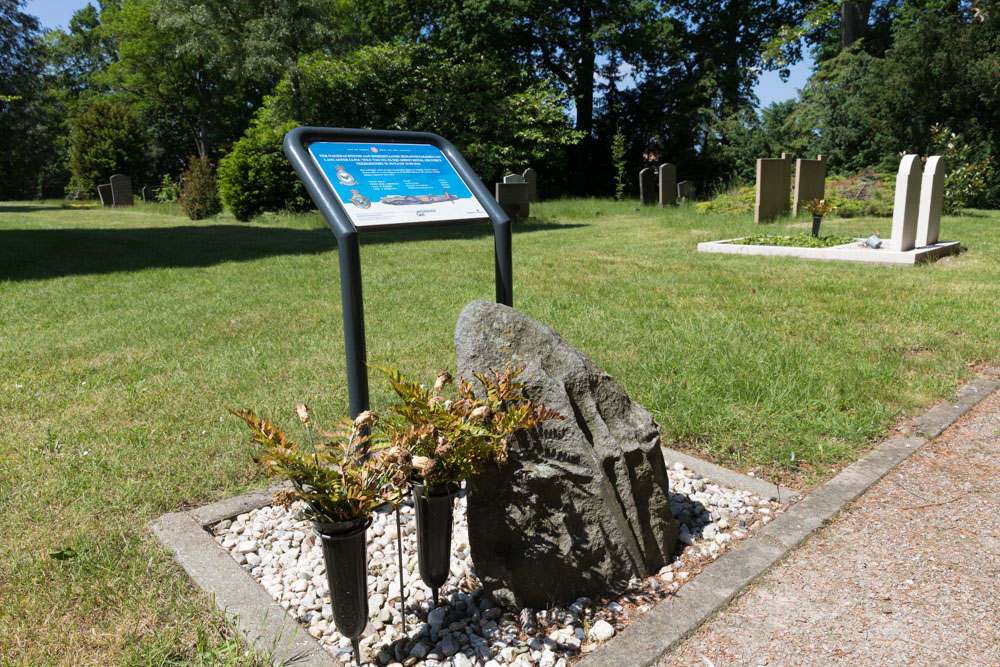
<point>348,243</point>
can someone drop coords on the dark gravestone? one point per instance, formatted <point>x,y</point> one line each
<point>582,503</point>
<point>668,184</point>
<point>104,192</point>
<point>531,178</point>
<point>147,194</point>
<point>647,186</point>
<point>512,195</point>
<point>685,190</point>
<point>121,190</point>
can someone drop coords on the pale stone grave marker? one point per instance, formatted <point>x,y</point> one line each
<point>906,203</point>
<point>104,192</point>
<point>647,189</point>
<point>810,181</point>
<point>121,190</point>
<point>531,178</point>
<point>774,180</point>
<point>147,194</point>
<point>931,192</point>
<point>668,184</point>
<point>685,191</point>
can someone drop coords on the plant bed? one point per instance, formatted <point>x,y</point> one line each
<point>275,545</point>
<point>854,250</point>
<point>795,240</point>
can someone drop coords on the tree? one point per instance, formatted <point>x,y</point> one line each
<point>154,66</point>
<point>259,40</point>
<point>562,41</point>
<point>24,115</point>
<point>106,139</point>
<point>499,121</point>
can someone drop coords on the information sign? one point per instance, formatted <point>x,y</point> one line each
<point>395,184</point>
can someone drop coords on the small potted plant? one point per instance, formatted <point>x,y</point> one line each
<point>341,481</point>
<point>818,208</point>
<point>440,442</point>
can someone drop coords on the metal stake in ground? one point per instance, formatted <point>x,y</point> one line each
<point>402,589</point>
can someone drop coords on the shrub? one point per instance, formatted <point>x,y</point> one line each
<point>965,180</point>
<point>168,190</point>
<point>256,176</point>
<point>733,202</point>
<point>199,197</point>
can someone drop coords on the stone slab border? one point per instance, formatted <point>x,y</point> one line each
<point>849,252</point>
<point>646,640</point>
<point>266,625</point>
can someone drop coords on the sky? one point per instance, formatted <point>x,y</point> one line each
<point>56,14</point>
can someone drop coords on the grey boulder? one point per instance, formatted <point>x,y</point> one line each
<point>581,504</point>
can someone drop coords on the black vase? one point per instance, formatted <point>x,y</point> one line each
<point>345,551</point>
<point>817,219</point>
<point>433,506</point>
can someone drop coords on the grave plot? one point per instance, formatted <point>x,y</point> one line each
<point>276,547</point>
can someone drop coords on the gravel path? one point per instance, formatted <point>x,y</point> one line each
<point>908,574</point>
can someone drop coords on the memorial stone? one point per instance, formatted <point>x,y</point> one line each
<point>121,190</point>
<point>104,192</point>
<point>513,178</point>
<point>906,203</point>
<point>685,191</point>
<point>668,184</point>
<point>774,181</point>
<point>580,503</point>
<point>531,178</point>
<point>931,192</point>
<point>513,197</point>
<point>810,181</point>
<point>147,194</point>
<point>647,189</point>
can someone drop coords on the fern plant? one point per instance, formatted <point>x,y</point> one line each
<point>438,441</point>
<point>344,478</point>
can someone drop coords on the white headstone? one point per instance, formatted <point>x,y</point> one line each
<point>931,191</point>
<point>904,208</point>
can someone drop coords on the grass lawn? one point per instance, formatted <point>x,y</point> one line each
<point>125,335</point>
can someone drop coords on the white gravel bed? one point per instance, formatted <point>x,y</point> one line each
<point>279,550</point>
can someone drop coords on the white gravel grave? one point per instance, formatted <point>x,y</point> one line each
<point>278,548</point>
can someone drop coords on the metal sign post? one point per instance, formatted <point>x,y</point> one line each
<point>377,180</point>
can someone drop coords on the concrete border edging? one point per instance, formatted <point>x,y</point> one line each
<point>650,637</point>
<point>263,622</point>
<point>731,478</point>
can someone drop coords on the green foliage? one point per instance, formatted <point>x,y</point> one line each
<point>794,240</point>
<point>342,479</point>
<point>733,202</point>
<point>966,178</point>
<point>200,197</point>
<point>618,158</point>
<point>168,191</point>
<point>818,206</point>
<point>256,176</point>
<point>438,441</point>
<point>106,139</point>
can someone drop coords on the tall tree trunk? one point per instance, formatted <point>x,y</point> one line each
<point>853,22</point>
<point>583,96</point>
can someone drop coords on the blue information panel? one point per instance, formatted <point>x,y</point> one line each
<point>395,184</point>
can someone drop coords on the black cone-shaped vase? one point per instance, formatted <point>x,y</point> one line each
<point>345,552</point>
<point>433,506</point>
<point>817,220</point>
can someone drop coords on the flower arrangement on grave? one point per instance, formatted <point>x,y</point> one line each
<point>342,481</point>
<point>344,478</point>
<point>437,440</point>
<point>818,206</point>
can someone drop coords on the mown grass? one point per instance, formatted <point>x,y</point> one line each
<point>127,333</point>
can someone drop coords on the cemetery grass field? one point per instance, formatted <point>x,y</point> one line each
<point>126,334</point>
